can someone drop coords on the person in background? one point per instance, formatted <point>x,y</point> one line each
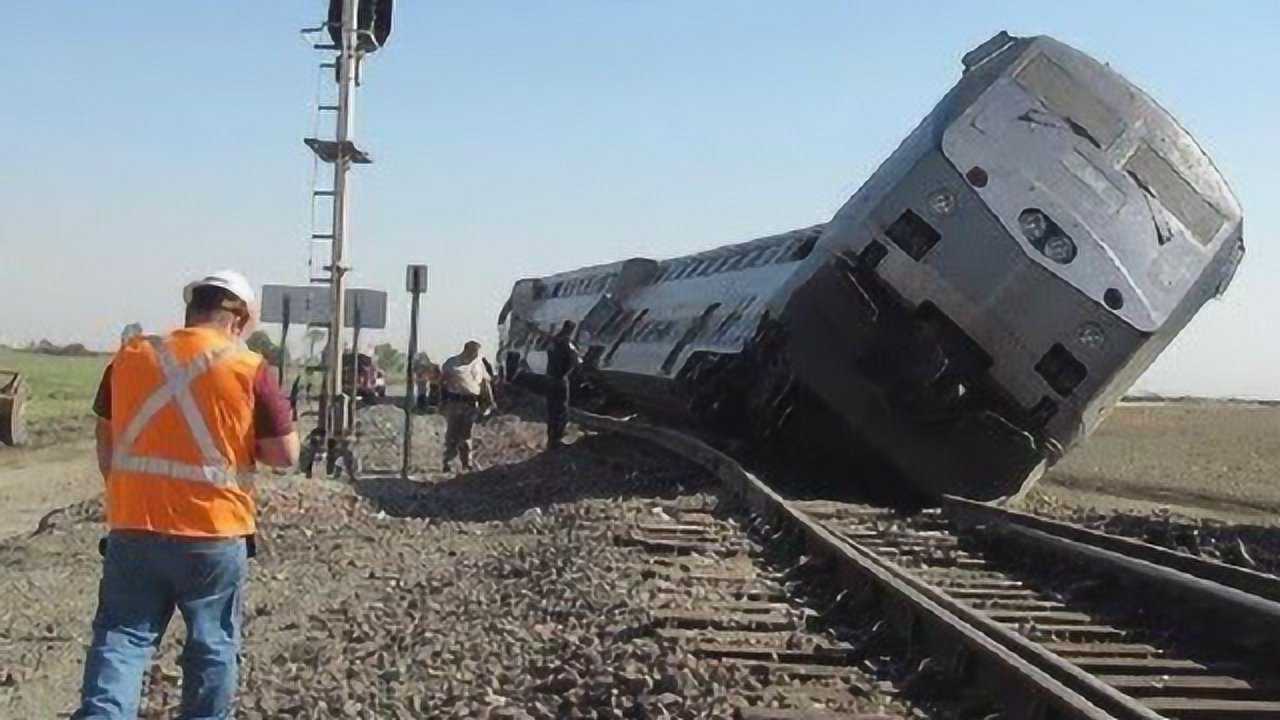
<point>562,361</point>
<point>425,375</point>
<point>466,389</point>
<point>182,422</point>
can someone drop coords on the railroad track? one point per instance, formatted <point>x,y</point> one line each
<point>1047,619</point>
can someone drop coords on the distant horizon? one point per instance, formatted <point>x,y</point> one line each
<point>1135,392</point>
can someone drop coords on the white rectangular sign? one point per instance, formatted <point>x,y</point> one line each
<point>311,305</point>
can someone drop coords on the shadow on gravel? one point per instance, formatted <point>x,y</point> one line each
<point>596,466</point>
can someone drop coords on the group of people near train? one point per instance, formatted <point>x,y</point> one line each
<point>466,394</point>
<point>183,421</point>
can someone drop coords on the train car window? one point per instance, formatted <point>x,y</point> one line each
<point>1160,180</point>
<point>804,247</point>
<point>783,253</point>
<point>723,328</point>
<point>913,234</point>
<point>1085,113</point>
<point>690,334</point>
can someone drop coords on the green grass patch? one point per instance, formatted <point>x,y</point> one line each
<point>61,391</point>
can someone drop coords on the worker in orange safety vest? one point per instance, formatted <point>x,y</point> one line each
<point>182,422</point>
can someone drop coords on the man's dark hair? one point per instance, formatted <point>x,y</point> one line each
<point>567,328</point>
<point>207,301</point>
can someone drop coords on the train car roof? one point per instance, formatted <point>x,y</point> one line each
<point>756,243</point>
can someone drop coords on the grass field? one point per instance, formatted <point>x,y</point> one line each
<point>62,390</point>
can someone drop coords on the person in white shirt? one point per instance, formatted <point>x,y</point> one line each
<point>466,388</point>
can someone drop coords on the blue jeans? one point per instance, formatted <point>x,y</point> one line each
<point>144,577</point>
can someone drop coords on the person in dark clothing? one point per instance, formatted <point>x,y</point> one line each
<point>562,361</point>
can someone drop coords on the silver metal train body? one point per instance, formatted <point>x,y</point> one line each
<point>971,312</point>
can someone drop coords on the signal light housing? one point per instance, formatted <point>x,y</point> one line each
<point>373,23</point>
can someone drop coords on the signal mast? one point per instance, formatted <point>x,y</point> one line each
<point>356,28</point>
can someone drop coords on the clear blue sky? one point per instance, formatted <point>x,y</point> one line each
<point>148,141</point>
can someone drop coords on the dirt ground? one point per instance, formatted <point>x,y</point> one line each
<point>36,482</point>
<point>1218,461</point>
<point>496,593</point>
<point>489,573</point>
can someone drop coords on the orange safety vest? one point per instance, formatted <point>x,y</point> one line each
<point>182,425</point>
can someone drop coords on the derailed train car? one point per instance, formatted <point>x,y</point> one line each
<point>971,312</point>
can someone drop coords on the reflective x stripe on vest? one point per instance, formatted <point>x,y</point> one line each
<point>215,469</point>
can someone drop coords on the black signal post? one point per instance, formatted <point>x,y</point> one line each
<point>416,284</point>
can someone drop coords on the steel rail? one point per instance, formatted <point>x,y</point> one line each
<point>1248,581</point>
<point>1206,590</point>
<point>1032,681</point>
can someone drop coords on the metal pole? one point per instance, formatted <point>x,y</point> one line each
<point>336,422</point>
<point>408,386</point>
<point>355,362</point>
<point>284,343</point>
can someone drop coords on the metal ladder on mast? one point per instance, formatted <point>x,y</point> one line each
<point>325,154</point>
<point>326,249</point>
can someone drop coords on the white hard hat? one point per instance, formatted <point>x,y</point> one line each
<point>229,280</point>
